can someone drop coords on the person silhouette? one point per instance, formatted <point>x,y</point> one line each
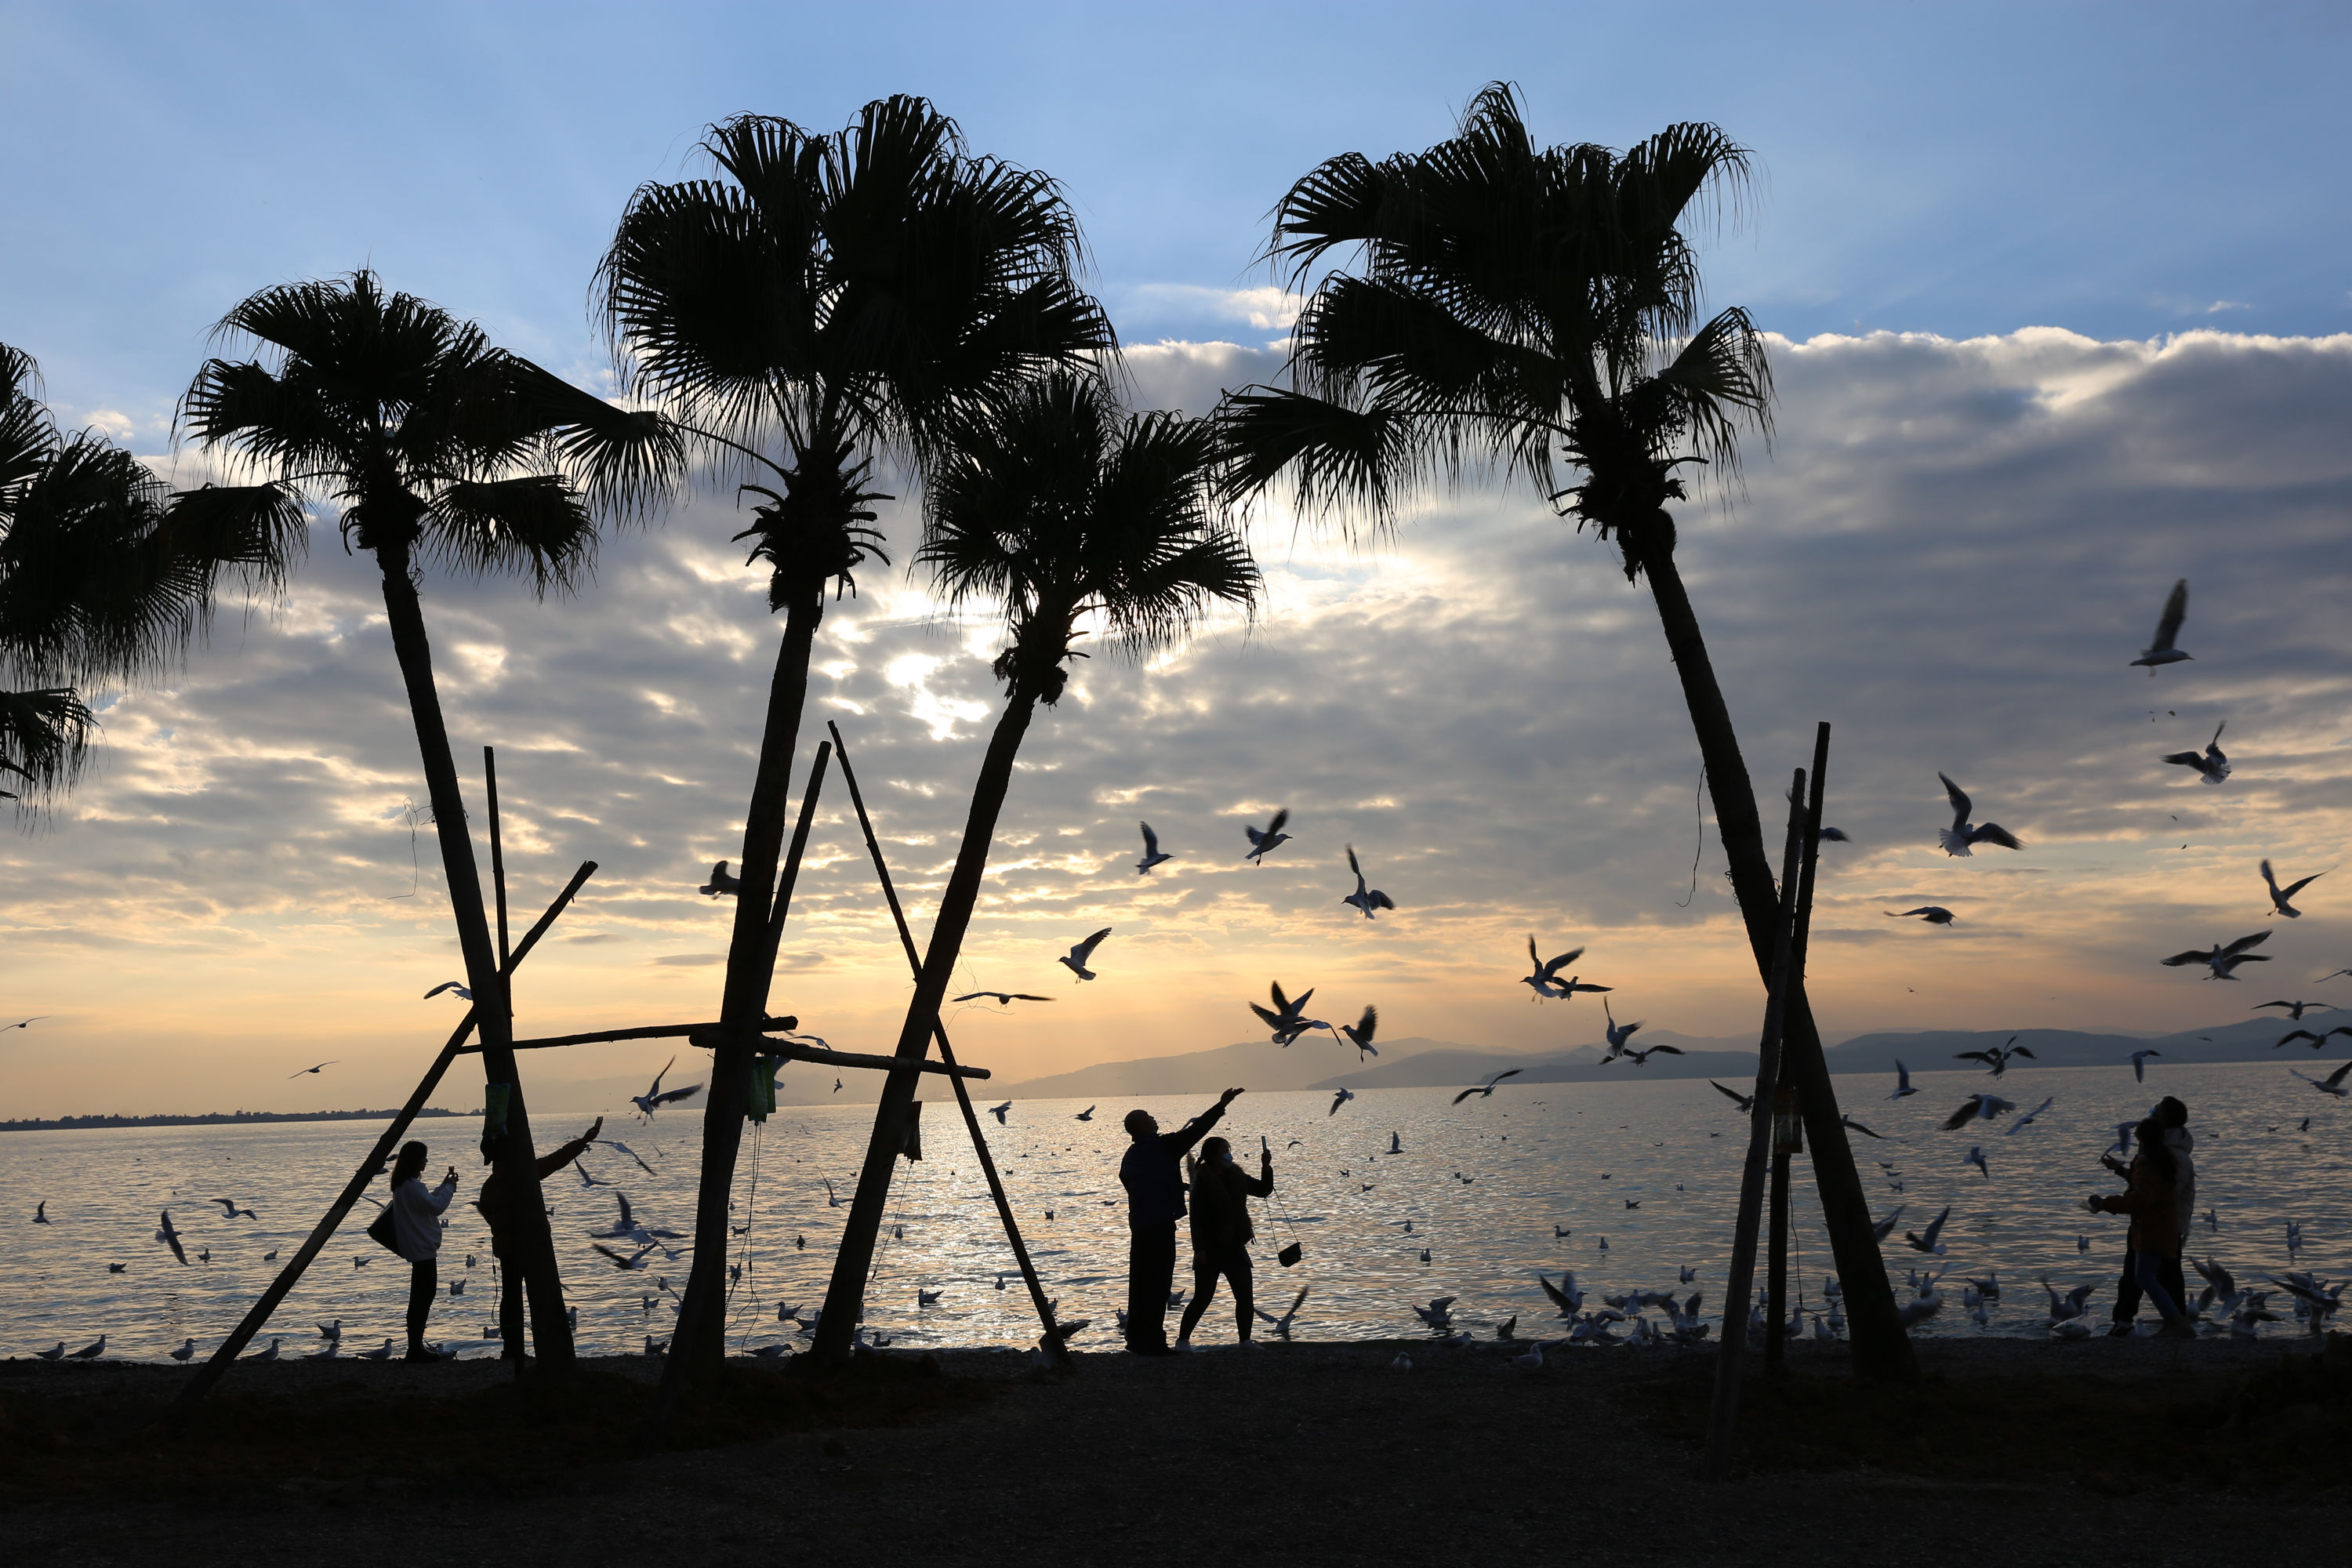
<point>1153,1176</point>
<point>1221,1232</point>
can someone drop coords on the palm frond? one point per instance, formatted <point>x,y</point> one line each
<point>535,523</point>
<point>1338,459</point>
<point>45,740</point>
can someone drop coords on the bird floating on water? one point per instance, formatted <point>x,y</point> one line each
<point>1274,837</point>
<point>2212,765</point>
<point>1963,835</point>
<point>2160,650</point>
<point>1076,959</point>
<point>1365,898</point>
<point>2279,904</point>
<point>2223,960</point>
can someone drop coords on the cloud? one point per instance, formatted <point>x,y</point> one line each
<point>1267,308</point>
<point>1951,551</point>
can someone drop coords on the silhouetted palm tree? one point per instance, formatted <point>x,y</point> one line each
<point>1529,309</point>
<point>105,575</point>
<point>1072,517</point>
<point>829,301</point>
<point>435,445</point>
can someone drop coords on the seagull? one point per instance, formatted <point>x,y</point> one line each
<point>1364,899</point>
<point>999,1111</point>
<point>1544,977</point>
<point>1085,1115</point>
<point>635,1260</point>
<point>2167,627</point>
<point>2212,765</point>
<point>1902,1082</point>
<point>55,1352</point>
<point>1641,1059</point>
<point>1346,1095</point>
<point>41,1212</point>
<point>2316,1040</point>
<point>1282,1324</point>
<point>1962,835</point>
<point>654,1098</point>
<point>1487,1089</point>
<point>1998,1056</point>
<point>295,1074</point>
<point>1436,1314</point>
<point>1151,852</point>
<point>1934,914</point>
<point>1360,1035</point>
<point>1976,1156</point>
<point>1075,961</point>
<point>1835,836</point>
<point>1002,998</point>
<point>381,1353</point>
<point>93,1351</point>
<point>720,882</point>
<point>2279,897</point>
<point>185,1351</point>
<point>1744,1101</point>
<point>632,1153</point>
<point>1977,1107</point>
<point>2223,960</point>
<point>170,1237</point>
<point>1850,1123</point>
<point>1403,1363</point>
<point>2332,1084</point>
<point>1289,1021</point>
<point>1263,844</point>
<point>445,985</point>
<point>1618,1032</point>
<point>2026,1121</point>
<point>2139,1064</point>
<point>230,1210</point>
<point>1567,1296</point>
<point>926,1298</point>
<point>2296,1010</point>
<point>833,1201</point>
<point>29,1022</point>
<point>333,1331</point>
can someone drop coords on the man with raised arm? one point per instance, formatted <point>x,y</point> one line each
<point>1153,1175</point>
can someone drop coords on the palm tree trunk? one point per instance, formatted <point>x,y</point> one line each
<point>1882,1349</point>
<point>845,1296</point>
<point>699,1344</point>
<point>514,1160</point>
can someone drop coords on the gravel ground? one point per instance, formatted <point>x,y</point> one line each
<point>1306,1454</point>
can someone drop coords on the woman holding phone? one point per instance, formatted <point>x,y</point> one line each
<point>416,1213</point>
<point>1222,1231</point>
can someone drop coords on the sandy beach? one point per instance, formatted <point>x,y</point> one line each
<point>2024,1454</point>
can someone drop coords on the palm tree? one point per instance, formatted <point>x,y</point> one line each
<point>105,577</point>
<point>435,445</point>
<point>1526,309</point>
<point>826,302</point>
<point>1071,516</point>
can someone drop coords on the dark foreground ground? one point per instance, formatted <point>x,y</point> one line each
<point>2008,1453</point>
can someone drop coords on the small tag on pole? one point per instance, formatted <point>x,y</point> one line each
<point>494,1099</point>
<point>1788,1122</point>
<point>761,1103</point>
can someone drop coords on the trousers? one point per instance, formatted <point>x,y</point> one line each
<point>2128,1289</point>
<point>1235,1265</point>
<point>1151,1275</point>
<point>423,1279</point>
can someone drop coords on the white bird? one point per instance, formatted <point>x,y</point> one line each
<point>635,1260</point>
<point>269,1354</point>
<point>1996,1058</point>
<point>1879,1228</point>
<point>1544,977</point>
<point>1930,1243</point>
<point>1437,1314</point>
<point>1282,1324</point>
<point>1075,961</point>
<point>184,1351</point>
<point>1568,1295</point>
<point>1263,844</point>
<point>1151,853</point>
<point>230,1210</point>
<point>55,1352</point>
<point>2223,960</point>
<point>1288,1018</point>
<point>1360,1035</point>
<point>2168,627</point>
<point>1933,914</point>
<point>170,1237</point>
<point>333,1331</point>
<point>445,985</point>
<point>720,882</point>
<point>1618,1032</point>
<point>1963,835</point>
<point>2026,1121</point>
<point>2332,1084</point>
<point>2140,1065</point>
<point>1976,1156</point>
<point>1365,898</point>
<point>2280,906</point>
<point>292,1076</point>
<point>2212,765</point>
<point>89,1351</point>
<point>1901,1083</point>
<point>632,1153</point>
<point>830,1200</point>
<point>1403,1363</point>
<point>654,1098</point>
<point>1000,1111</point>
<point>1487,1089</point>
<point>381,1353</point>
<point>2075,1303</point>
<point>1978,1108</point>
<point>1346,1095</point>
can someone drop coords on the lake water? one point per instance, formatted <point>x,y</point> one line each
<point>1485,1187</point>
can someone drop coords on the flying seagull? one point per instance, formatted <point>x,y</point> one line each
<point>295,1074</point>
<point>1075,961</point>
<point>1962,833</point>
<point>2223,960</point>
<point>2332,1084</point>
<point>2026,1121</point>
<point>2139,1064</point>
<point>1487,1089</point>
<point>1849,1123</point>
<point>1931,1243</point>
<point>1902,1082</point>
<point>1288,1018</point>
<point>1934,914</point>
<point>1997,1059</point>
<point>1359,1033</point>
<point>447,985</point>
<point>1641,1058</point>
<point>1544,976</point>
<point>1346,1095</point>
<point>720,882</point>
<point>2318,1041</point>
<point>999,1111</point>
<point>1085,1115</point>
<point>654,1098</point>
<point>1744,1101</point>
<point>1263,844</point>
<point>230,1209</point>
<point>1976,1156</point>
<point>1363,898</point>
<point>2279,904</point>
<point>1002,998</point>
<point>1618,1032</point>
<point>1151,852</point>
<point>2167,627</point>
<point>2212,765</point>
<point>2296,1010</point>
<point>30,1022</point>
<point>170,1235</point>
<point>1977,1107</point>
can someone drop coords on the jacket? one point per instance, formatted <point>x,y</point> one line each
<point>2181,1142</point>
<point>1221,1217</point>
<point>417,1217</point>
<point>2154,1205</point>
<point>487,1201</point>
<point>1153,1179</point>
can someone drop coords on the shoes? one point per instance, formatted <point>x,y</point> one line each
<point>1185,1347</point>
<point>2120,1332</point>
<point>1151,1349</point>
<point>1248,1345</point>
<point>414,1354</point>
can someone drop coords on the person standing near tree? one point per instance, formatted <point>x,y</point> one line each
<point>1153,1176</point>
<point>1221,1232</point>
<point>416,1213</point>
<point>493,1212</point>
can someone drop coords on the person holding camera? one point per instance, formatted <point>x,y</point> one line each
<point>1154,1179</point>
<point>416,1213</point>
<point>1221,1232</point>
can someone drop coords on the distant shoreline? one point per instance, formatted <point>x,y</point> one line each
<point>212,1119</point>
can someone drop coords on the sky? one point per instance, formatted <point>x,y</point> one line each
<point>2060,307</point>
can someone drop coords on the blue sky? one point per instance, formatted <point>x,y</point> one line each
<point>2119,170</point>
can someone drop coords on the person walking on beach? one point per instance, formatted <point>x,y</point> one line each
<point>493,1211</point>
<point>1221,1232</point>
<point>417,1237</point>
<point>2154,1205</point>
<point>2171,1115</point>
<point>1154,1180</point>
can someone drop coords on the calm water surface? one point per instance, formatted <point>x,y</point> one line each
<point>1484,1185</point>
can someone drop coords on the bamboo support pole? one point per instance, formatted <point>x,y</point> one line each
<point>498,848</point>
<point>1052,1342</point>
<point>210,1373</point>
<point>1732,1345</point>
<point>1775,1255</point>
<point>648,1032</point>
